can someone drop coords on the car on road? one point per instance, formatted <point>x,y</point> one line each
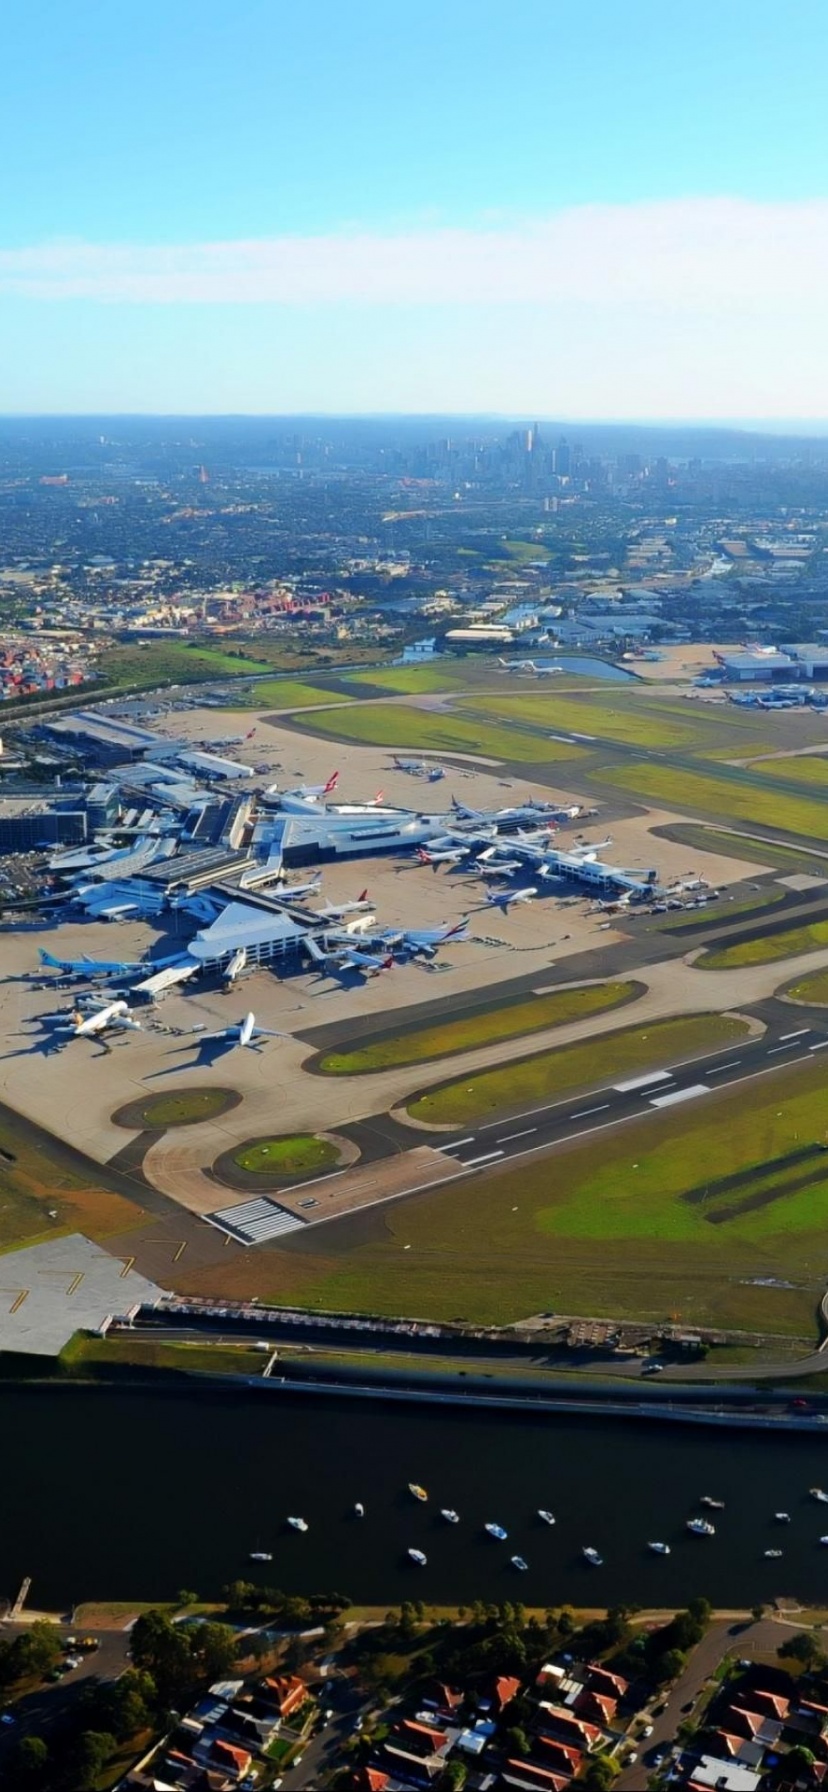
<point>647,1730</point>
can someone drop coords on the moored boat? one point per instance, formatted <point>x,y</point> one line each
<point>659,1549</point>
<point>359,1510</point>
<point>260,1555</point>
<point>419,1493</point>
<point>520,1563</point>
<point>496,1530</point>
<point>548,1517</point>
<point>449,1514</point>
<point>715,1505</point>
<point>591,1555</point>
<point>700,1527</point>
<point>770,1553</point>
<point>298,1524</point>
<point>782,1517</point>
<point>417,1556</point>
<point>818,1493</point>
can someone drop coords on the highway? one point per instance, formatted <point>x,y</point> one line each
<point>559,1122</point>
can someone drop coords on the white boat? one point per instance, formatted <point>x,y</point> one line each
<point>700,1527</point>
<point>817,1493</point>
<point>418,1557</point>
<point>548,1517</point>
<point>591,1555</point>
<point>715,1505</point>
<point>449,1514</point>
<point>496,1530</point>
<point>260,1555</point>
<point>659,1549</point>
<point>519,1562</point>
<point>823,1539</point>
<point>782,1517</point>
<point>771,1553</point>
<point>419,1493</point>
<point>359,1510</point>
<point>298,1524</point>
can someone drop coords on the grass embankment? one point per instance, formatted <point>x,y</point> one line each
<point>813,989</point>
<point>736,846</point>
<point>37,1183</point>
<point>120,1350</point>
<point>182,1107</point>
<point>178,660</point>
<point>609,1057</point>
<point>809,770</point>
<point>789,942</point>
<point>740,799</point>
<point>291,1154</point>
<point>404,729</point>
<point>637,1223</point>
<point>444,1039</point>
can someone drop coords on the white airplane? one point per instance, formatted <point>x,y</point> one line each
<point>497,867</point>
<point>293,892</point>
<point>424,941</point>
<point>346,957</point>
<point>235,965</point>
<point>443,855</point>
<point>504,898</point>
<point>113,1014</point>
<point>336,911</point>
<point>245,1032</point>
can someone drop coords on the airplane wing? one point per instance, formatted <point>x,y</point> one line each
<point>268,1033</point>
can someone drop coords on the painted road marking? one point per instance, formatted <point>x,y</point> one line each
<point>455,1144</point>
<point>795,1035</point>
<point>642,1082</point>
<point>820,1045</point>
<point>782,1048</point>
<point>583,1112</point>
<point>507,1137</point>
<point>718,1068</point>
<point>666,1101</point>
<point>486,1159</point>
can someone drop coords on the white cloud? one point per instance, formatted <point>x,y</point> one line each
<point>682,256</point>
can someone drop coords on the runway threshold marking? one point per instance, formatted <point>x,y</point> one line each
<point>643,1082</point>
<point>689,1094</point>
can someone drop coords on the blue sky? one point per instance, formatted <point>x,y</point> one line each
<point>611,210</point>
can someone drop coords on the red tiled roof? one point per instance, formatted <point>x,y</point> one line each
<point>370,1779</point>
<point>572,1757</point>
<point>539,1776</point>
<point>506,1688</point>
<point>241,1759</point>
<point>598,1705</point>
<point>772,1703</point>
<point>600,1679</point>
<point>410,1723</point>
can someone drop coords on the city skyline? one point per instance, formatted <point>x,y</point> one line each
<point>493,215</point>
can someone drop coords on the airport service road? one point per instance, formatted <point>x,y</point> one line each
<point>556,1123</point>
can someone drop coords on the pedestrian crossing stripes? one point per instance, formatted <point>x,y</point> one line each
<point>253,1222</point>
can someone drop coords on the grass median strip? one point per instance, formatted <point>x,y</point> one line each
<point>292,1154</point>
<point>397,726</point>
<point>810,989</point>
<point>738,798</point>
<point>788,942</point>
<point>528,1082</point>
<point>444,1039</point>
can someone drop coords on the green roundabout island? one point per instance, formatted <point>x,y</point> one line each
<point>281,1160</point>
<point>179,1107</point>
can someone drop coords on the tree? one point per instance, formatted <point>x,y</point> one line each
<point>89,1757</point>
<point>600,1773</point>
<point>517,1741</point>
<point>669,1665</point>
<point>31,1759</point>
<point>803,1648</point>
<point>164,1650</point>
<point>799,1764</point>
<point>216,1647</point>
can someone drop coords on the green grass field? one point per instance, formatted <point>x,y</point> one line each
<point>181,1107</point>
<point>413,680</point>
<point>627,724</point>
<point>738,800</point>
<point>727,909</point>
<point>177,660</point>
<point>288,693</point>
<point>529,1082</point>
<point>444,1039</point>
<point>291,1154</point>
<point>789,942</point>
<point>639,1225</point>
<point>735,846</point>
<point>811,989</point>
<point>43,1195</point>
<point>811,770</point>
<point>403,729</point>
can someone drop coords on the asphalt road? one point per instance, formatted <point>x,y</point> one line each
<point>558,1122</point>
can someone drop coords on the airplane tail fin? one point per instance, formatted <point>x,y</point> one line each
<point>331,784</point>
<point>363,896</point>
<point>47,958</point>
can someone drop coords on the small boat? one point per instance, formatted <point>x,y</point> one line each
<point>771,1554</point>
<point>782,1517</point>
<point>449,1514</point>
<point>260,1555</point>
<point>591,1555</point>
<point>548,1517</point>
<point>715,1505</point>
<point>659,1549</point>
<point>519,1562</point>
<point>298,1524</point>
<point>817,1493</point>
<point>417,1556</point>
<point>823,1539</point>
<point>419,1493</point>
<point>700,1527</point>
<point>359,1510</point>
<point>496,1530</point>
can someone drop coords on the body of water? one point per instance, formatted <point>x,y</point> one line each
<point>127,1493</point>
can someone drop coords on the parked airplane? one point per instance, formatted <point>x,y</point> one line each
<point>336,911</point>
<point>244,1032</point>
<point>89,967</point>
<point>112,1015</point>
<point>235,965</point>
<point>424,941</point>
<point>340,957</point>
<point>504,898</point>
<point>530,666</point>
<point>497,867</point>
<point>447,855</point>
